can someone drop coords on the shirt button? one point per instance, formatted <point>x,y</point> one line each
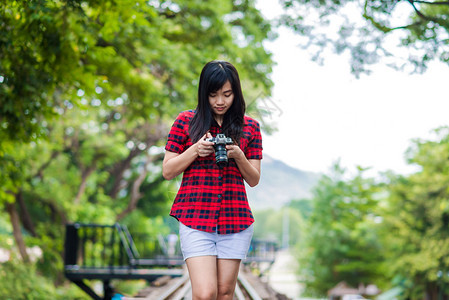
<point>220,177</point>
<point>219,196</point>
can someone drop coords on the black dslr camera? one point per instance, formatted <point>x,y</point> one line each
<point>221,154</point>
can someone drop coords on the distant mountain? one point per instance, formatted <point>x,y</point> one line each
<point>279,184</point>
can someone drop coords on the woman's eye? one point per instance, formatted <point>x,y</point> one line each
<point>212,95</point>
<point>228,95</point>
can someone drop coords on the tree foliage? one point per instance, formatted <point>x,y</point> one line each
<point>88,91</point>
<point>21,281</point>
<point>392,231</point>
<point>55,52</point>
<point>340,241</point>
<point>416,220</point>
<point>370,30</point>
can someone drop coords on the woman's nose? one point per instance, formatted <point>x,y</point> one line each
<point>220,99</point>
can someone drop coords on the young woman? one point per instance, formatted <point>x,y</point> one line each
<point>211,205</point>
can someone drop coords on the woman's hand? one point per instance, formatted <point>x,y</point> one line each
<point>235,152</point>
<point>203,147</point>
<point>175,163</point>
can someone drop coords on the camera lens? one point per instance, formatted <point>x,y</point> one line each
<point>221,156</point>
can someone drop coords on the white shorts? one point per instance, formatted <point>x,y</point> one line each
<point>225,246</point>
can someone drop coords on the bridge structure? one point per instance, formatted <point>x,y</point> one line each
<point>109,252</point>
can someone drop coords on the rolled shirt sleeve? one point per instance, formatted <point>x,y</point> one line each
<point>178,135</point>
<point>254,148</point>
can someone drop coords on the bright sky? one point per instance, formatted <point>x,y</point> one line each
<point>327,114</point>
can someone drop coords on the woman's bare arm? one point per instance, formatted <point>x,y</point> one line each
<point>175,163</point>
<point>249,168</point>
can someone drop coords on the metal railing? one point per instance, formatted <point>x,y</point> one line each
<point>107,252</point>
<point>97,246</point>
<point>262,250</point>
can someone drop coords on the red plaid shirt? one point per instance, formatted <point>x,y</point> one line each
<point>212,199</point>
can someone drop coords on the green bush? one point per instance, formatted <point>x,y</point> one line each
<point>22,282</point>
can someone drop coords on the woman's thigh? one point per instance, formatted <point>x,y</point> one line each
<point>227,273</point>
<point>203,276</point>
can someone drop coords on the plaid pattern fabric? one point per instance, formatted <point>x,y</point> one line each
<point>212,199</point>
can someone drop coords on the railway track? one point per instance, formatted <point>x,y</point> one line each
<point>248,287</point>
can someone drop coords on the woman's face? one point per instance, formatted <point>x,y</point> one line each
<point>221,100</point>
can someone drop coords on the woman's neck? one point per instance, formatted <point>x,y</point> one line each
<point>219,120</point>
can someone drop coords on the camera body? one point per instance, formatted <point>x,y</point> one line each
<point>221,154</point>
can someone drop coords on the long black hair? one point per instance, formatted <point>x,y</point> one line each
<point>213,76</point>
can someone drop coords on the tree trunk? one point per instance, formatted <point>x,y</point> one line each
<point>119,170</point>
<point>86,173</point>
<point>135,193</point>
<point>40,171</point>
<point>56,211</point>
<point>25,216</point>
<point>154,133</point>
<point>432,291</point>
<point>15,222</point>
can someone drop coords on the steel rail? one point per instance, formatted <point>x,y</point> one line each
<point>174,288</point>
<point>248,287</point>
<point>181,289</point>
<point>238,293</point>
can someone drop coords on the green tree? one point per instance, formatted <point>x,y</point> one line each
<point>416,221</point>
<point>370,30</point>
<point>303,206</point>
<point>88,90</point>
<point>340,240</point>
<point>53,52</point>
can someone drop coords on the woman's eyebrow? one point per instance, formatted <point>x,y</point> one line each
<point>227,91</point>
